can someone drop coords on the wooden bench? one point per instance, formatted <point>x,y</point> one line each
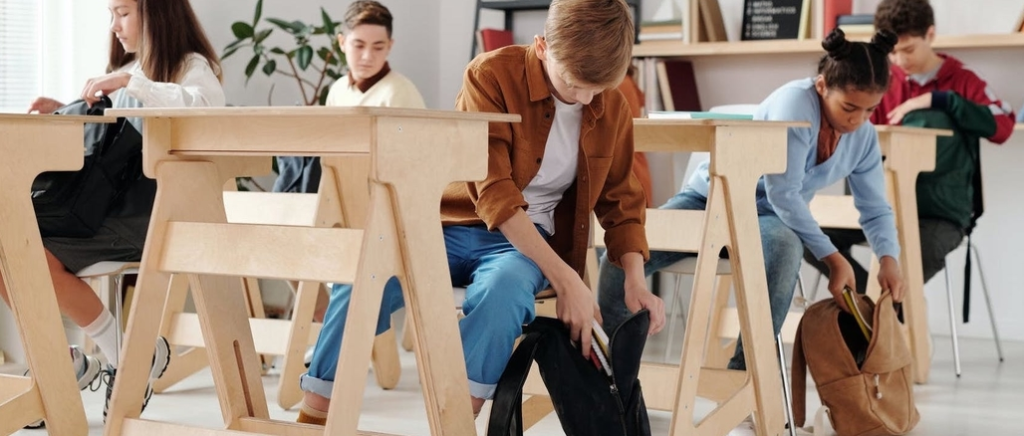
<point>406,156</point>
<point>32,144</point>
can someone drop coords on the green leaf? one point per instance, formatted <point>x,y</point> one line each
<point>229,52</point>
<point>329,25</point>
<point>323,53</point>
<point>333,74</point>
<point>305,57</point>
<point>270,67</point>
<point>323,95</point>
<point>262,35</point>
<point>294,27</point>
<point>259,13</point>
<point>237,43</point>
<point>249,69</point>
<point>241,30</point>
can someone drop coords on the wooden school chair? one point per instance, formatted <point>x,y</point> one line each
<point>741,151</point>
<point>406,156</point>
<point>32,144</point>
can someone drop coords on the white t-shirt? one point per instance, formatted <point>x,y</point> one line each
<point>558,169</point>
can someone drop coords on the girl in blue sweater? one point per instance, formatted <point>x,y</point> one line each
<point>840,143</point>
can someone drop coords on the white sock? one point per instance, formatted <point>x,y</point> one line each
<point>103,332</point>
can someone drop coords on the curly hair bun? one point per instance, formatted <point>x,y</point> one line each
<point>884,41</point>
<point>836,44</point>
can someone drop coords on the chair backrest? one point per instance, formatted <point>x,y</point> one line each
<point>493,39</point>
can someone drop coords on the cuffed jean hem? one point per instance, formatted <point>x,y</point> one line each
<point>317,386</point>
<point>480,390</point>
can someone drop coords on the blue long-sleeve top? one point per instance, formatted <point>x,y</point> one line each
<point>858,157</point>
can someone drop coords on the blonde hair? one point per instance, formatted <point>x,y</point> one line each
<point>591,39</point>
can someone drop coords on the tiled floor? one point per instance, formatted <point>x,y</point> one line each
<point>987,400</point>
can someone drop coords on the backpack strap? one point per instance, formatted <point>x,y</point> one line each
<point>799,378</point>
<point>507,408</point>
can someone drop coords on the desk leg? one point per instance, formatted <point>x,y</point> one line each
<point>196,196</point>
<point>34,304</point>
<point>915,308</point>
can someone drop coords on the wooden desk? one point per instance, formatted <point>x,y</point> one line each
<point>908,152</point>
<point>741,151</point>
<point>32,144</point>
<point>406,157</point>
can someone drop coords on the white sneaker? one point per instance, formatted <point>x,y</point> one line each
<point>87,370</point>
<point>308,358</point>
<point>746,428</point>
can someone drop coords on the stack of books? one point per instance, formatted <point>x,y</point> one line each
<point>857,26</point>
<point>661,30</point>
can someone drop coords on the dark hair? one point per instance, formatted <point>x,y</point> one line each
<point>170,34</point>
<point>368,12</point>
<point>905,17</point>
<point>858,65</point>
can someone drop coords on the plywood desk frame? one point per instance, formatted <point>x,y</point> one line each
<point>908,152</point>
<point>32,144</point>
<point>412,156</point>
<point>741,151</point>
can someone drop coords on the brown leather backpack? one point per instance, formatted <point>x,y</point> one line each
<point>866,386</point>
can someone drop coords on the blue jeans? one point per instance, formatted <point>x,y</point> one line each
<point>500,287</point>
<point>783,251</point>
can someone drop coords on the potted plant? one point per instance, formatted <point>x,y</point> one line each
<point>315,47</point>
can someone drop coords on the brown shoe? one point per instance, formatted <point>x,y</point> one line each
<point>305,418</point>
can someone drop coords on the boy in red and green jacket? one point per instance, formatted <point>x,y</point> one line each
<point>929,89</point>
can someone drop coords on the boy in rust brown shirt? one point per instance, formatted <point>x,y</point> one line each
<point>526,226</point>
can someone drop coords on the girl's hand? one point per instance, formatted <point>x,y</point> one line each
<point>891,278</point>
<point>45,106</point>
<point>840,276</point>
<point>104,85</point>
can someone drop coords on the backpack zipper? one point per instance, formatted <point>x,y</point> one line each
<point>878,389</point>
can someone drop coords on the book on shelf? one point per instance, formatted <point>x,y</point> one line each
<point>856,19</point>
<point>711,27</point>
<point>697,115</point>
<point>832,10</point>
<point>858,31</point>
<point>677,85</point>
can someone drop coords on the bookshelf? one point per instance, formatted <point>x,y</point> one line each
<point>677,49</point>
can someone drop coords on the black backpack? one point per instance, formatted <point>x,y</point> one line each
<point>75,203</point>
<point>587,402</point>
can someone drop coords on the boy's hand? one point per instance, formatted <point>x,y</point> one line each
<point>45,106</point>
<point>923,101</point>
<point>891,278</point>
<point>840,276</point>
<point>577,309</point>
<point>639,297</point>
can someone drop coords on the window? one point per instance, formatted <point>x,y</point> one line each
<point>20,54</point>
